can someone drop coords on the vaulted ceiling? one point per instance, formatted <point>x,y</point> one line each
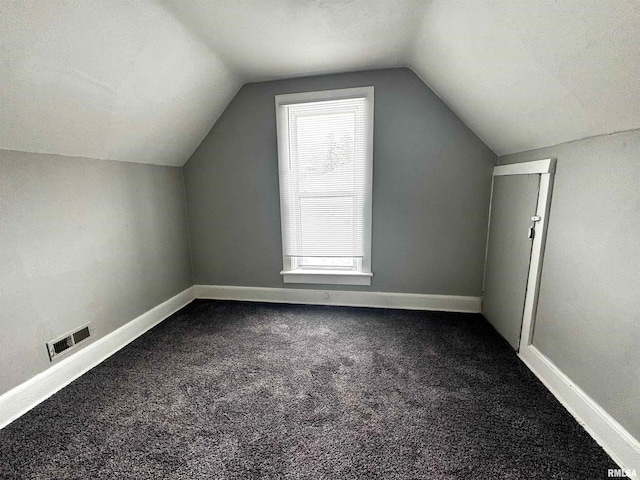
<point>145,80</point>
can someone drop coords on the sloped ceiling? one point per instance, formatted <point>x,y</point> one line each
<point>145,80</point>
<point>107,79</point>
<point>525,74</point>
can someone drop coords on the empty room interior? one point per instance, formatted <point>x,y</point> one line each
<point>319,239</point>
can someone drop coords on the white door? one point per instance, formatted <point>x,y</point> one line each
<point>513,203</point>
<point>519,205</point>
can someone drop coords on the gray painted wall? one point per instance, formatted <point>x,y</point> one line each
<point>431,187</point>
<point>588,320</point>
<point>81,241</point>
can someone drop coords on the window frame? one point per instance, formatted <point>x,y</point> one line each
<point>291,273</point>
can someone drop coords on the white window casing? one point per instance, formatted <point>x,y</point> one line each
<point>325,164</point>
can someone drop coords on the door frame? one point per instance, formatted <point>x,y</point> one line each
<point>546,169</point>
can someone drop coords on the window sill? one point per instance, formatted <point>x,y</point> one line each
<point>326,277</point>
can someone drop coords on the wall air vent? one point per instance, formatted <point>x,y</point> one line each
<point>81,335</point>
<point>68,342</point>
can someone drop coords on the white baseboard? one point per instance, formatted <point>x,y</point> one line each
<point>408,301</point>
<point>27,395</point>
<point>623,448</point>
<point>616,441</point>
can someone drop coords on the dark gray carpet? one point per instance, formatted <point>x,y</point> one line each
<point>250,390</point>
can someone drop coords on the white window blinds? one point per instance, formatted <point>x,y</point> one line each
<point>323,177</point>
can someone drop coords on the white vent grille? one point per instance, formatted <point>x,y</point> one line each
<point>67,342</point>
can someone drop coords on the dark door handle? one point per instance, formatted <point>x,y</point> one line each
<point>532,231</point>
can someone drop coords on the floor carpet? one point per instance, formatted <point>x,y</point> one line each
<point>251,390</point>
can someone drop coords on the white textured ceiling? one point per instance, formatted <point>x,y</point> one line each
<point>144,80</point>
<point>267,39</point>
<point>525,74</point>
<point>107,79</point>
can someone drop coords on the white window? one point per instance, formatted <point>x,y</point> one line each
<point>325,160</point>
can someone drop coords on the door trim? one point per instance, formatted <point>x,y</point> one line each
<point>546,166</point>
<point>546,169</point>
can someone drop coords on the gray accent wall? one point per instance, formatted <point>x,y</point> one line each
<point>431,189</point>
<point>588,320</point>
<point>83,240</point>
